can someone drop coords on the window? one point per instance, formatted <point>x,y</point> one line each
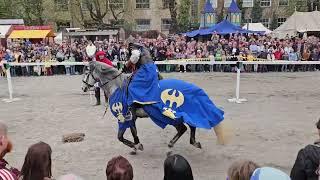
<point>165,4</point>
<point>142,4</point>
<point>300,3</point>
<point>143,24</point>
<point>247,3</point>
<point>120,22</point>
<point>281,21</point>
<point>265,22</point>
<point>83,5</point>
<point>166,23</point>
<point>283,2</point>
<point>214,3</point>
<point>116,4</point>
<point>227,3</point>
<point>61,5</point>
<point>265,3</point>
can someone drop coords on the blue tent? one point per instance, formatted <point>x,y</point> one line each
<point>223,28</point>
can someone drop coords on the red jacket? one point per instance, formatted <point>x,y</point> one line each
<point>105,59</point>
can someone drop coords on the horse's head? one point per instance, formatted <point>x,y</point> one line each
<point>99,72</point>
<point>88,80</point>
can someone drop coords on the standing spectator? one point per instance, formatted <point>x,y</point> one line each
<point>6,172</point>
<point>37,163</point>
<point>307,161</point>
<point>177,167</point>
<point>119,168</point>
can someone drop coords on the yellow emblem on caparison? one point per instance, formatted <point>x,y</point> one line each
<point>117,108</point>
<point>172,98</point>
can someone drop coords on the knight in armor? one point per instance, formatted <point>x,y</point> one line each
<point>144,87</point>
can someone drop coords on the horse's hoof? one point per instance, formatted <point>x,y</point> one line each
<point>197,145</point>
<point>134,152</point>
<point>139,147</point>
<point>170,145</point>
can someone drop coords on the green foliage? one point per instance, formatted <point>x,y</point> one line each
<point>184,15</point>
<point>243,10</point>
<point>274,22</point>
<point>256,12</point>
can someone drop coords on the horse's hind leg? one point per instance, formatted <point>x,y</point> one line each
<point>193,138</point>
<point>181,128</point>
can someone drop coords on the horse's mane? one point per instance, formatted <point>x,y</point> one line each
<point>103,68</point>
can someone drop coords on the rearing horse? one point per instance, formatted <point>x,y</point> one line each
<point>184,102</point>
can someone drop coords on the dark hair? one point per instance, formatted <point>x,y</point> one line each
<point>119,168</point>
<point>37,163</point>
<point>318,124</point>
<point>177,167</point>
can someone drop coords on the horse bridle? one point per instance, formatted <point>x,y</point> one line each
<point>96,80</point>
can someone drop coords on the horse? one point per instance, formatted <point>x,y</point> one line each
<point>113,81</point>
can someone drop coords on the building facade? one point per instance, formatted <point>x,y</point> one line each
<point>145,15</point>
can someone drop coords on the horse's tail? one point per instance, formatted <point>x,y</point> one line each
<point>223,133</point>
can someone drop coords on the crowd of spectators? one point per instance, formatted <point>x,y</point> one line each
<point>38,165</point>
<point>218,48</point>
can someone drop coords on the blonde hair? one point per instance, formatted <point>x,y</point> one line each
<point>241,170</point>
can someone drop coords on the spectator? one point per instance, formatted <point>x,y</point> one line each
<point>177,167</point>
<point>37,163</point>
<point>307,161</point>
<point>6,172</point>
<point>119,168</point>
<point>241,170</point>
<point>268,173</point>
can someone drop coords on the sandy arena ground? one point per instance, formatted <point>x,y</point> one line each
<point>270,128</point>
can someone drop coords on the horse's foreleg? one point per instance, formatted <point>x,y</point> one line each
<point>193,138</point>
<point>136,140</point>
<point>123,140</point>
<point>181,128</point>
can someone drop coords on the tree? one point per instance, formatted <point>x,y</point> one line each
<point>184,15</point>
<point>33,12</point>
<point>173,8</point>
<point>243,10</point>
<point>6,10</point>
<point>220,10</point>
<point>97,10</point>
<point>256,12</point>
<point>117,12</point>
<point>274,21</point>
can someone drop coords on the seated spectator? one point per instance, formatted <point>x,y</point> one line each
<point>6,172</point>
<point>307,161</point>
<point>241,170</point>
<point>268,173</point>
<point>177,167</point>
<point>119,168</point>
<point>37,163</point>
<point>248,170</point>
<point>70,177</point>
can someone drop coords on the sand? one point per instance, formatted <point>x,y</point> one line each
<point>270,128</point>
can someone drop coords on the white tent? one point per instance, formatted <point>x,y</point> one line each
<point>4,30</point>
<point>299,22</point>
<point>256,27</point>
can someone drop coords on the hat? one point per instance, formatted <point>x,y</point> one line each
<point>268,173</point>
